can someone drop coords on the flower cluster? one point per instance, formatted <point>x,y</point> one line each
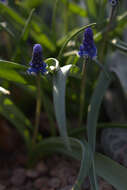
<point>37,65</point>
<point>113,2</point>
<point>3,1</point>
<point>88,48</point>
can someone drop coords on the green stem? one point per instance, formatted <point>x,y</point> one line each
<point>80,131</point>
<point>66,19</point>
<point>38,109</point>
<point>105,35</point>
<point>82,94</point>
<point>54,21</point>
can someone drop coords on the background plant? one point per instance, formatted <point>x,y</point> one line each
<point>60,32</point>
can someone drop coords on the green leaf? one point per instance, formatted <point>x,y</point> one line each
<point>76,9</point>
<point>93,177</point>
<point>111,171</point>
<point>121,23</point>
<point>79,132</point>
<point>120,45</point>
<point>59,89</point>
<point>7,11</point>
<point>36,34</point>
<point>91,8</point>
<point>16,73</point>
<point>79,151</point>
<point>48,107</point>
<point>43,39</point>
<point>3,26</point>
<point>71,35</point>
<point>52,64</point>
<point>10,71</point>
<point>32,4</point>
<point>93,113</point>
<point>16,117</point>
<point>20,50</point>
<point>94,107</point>
<point>54,20</point>
<point>85,164</point>
<point>26,28</point>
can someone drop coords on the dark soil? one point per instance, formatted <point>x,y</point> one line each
<point>54,173</point>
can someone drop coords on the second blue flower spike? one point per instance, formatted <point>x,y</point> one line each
<point>113,2</point>
<point>37,65</point>
<point>88,48</point>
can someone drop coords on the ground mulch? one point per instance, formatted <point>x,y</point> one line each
<point>54,173</point>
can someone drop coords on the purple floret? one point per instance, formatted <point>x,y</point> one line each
<point>113,2</point>
<point>88,48</point>
<point>37,65</point>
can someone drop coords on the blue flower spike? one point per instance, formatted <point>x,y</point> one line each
<point>37,65</point>
<point>87,48</point>
<point>4,1</point>
<point>113,2</point>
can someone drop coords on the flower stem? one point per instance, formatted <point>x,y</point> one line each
<point>38,108</point>
<point>82,94</point>
<point>108,28</point>
<point>66,14</point>
<point>54,20</point>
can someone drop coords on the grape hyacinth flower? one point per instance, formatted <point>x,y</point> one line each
<point>3,1</point>
<point>88,48</point>
<point>113,2</point>
<point>37,65</point>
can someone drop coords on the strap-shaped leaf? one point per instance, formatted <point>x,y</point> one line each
<point>9,110</point>
<point>111,171</point>
<point>18,22</point>
<point>93,177</point>
<point>15,73</point>
<point>94,107</point>
<point>92,8</point>
<point>75,8</point>
<point>120,45</point>
<point>93,113</point>
<point>10,71</point>
<point>26,29</point>
<point>5,27</point>
<point>59,89</point>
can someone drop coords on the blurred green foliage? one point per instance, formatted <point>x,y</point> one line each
<point>58,26</point>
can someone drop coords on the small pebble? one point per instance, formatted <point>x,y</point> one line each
<point>32,173</point>
<point>13,188</point>
<point>41,182</point>
<point>71,180</point>
<point>18,177</point>
<point>27,186</point>
<point>103,185</point>
<point>41,168</point>
<point>2,187</point>
<point>86,183</point>
<point>54,182</point>
<point>46,188</point>
<point>68,187</point>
